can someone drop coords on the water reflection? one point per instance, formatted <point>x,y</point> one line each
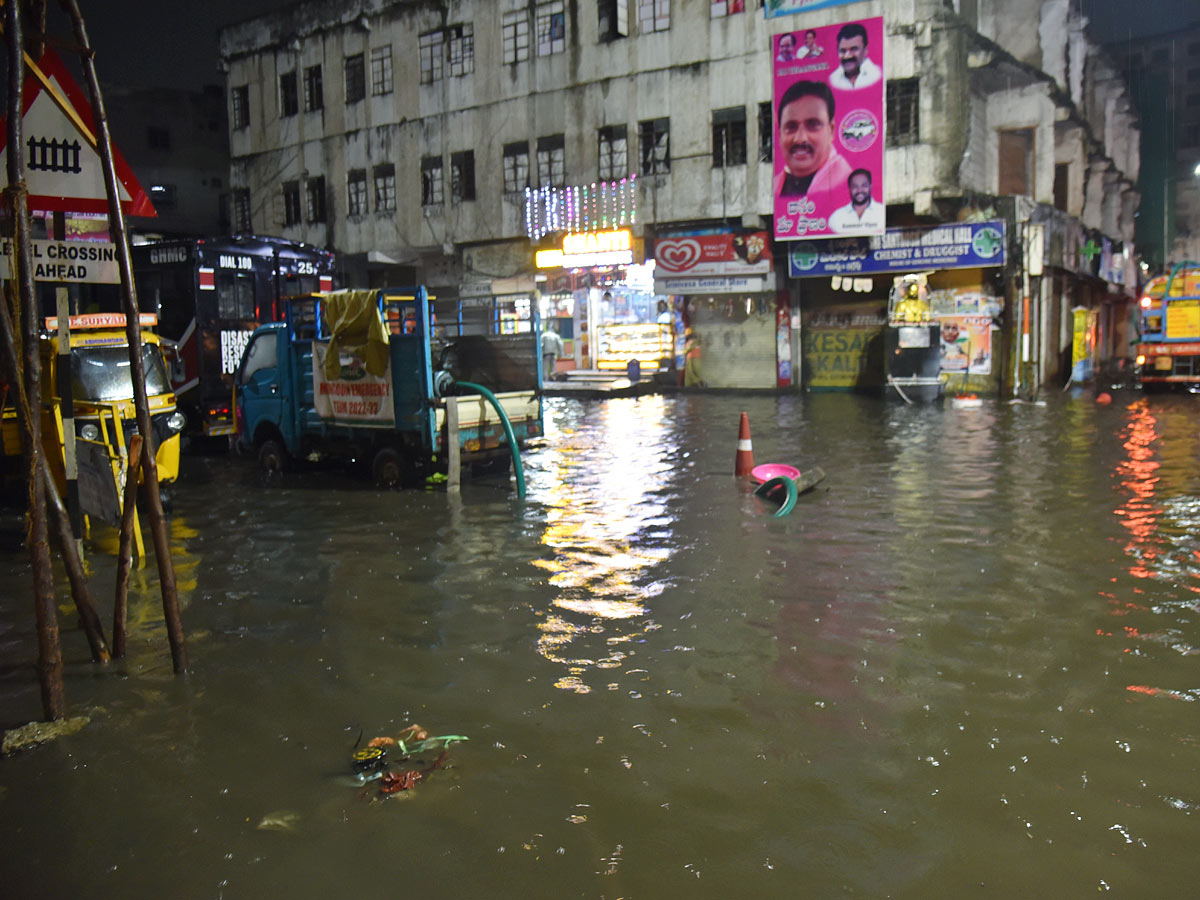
<point>607,481</point>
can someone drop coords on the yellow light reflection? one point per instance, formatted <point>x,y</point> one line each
<point>603,496</point>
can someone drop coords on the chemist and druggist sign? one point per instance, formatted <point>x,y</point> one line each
<point>958,246</point>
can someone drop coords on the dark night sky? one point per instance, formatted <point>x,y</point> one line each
<point>173,43</point>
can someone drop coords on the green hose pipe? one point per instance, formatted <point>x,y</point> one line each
<point>789,501</point>
<point>518,469</point>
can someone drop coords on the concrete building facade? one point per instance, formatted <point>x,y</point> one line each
<point>404,136</point>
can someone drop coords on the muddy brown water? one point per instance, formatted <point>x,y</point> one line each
<point>965,665</point>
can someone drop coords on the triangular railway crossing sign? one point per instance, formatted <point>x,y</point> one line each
<point>63,172</point>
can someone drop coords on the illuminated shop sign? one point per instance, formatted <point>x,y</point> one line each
<point>603,248</point>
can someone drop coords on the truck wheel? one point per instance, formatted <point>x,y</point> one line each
<point>272,457</point>
<point>388,467</point>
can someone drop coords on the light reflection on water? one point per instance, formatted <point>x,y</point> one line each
<point>963,666</point>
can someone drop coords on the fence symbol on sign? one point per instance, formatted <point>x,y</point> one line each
<point>54,155</point>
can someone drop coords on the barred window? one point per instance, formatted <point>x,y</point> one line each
<point>613,19</point>
<point>431,181</point>
<point>727,7</point>
<point>516,167</point>
<point>729,137</point>
<point>462,49</point>
<point>903,111</point>
<point>551,28</point>
<point>551,161</point>
<point>766,132</point>
<point>356,78</point>
<point>314,195</point>
<point>241,210</point>
<point>613,157</point>
<point>654,136</point>
<point>240,98</point>
<point>356,192</point>
<point>654,15</point>
<point>462,175</point>
<point>289,94</point>
<point>432,47</point>
<point>381,70</point>
<point>385,188</point>
<point>516,37</point>
<point>314,91</point>
<point>291,203</point>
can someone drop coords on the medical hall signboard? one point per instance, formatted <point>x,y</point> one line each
<point>828,120</point>
<point>964,245</point>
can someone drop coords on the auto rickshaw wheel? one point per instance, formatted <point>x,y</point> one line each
<point>272,457</point>
<point>388,467</point>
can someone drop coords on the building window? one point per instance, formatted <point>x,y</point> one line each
<point>551,161</point>
<point>613,156</point>
<point>235,295</point>
<point>289,95</point>
<point>1062,182</point>
<point>727,7</point>
<point>241,210</point>
<point>551,28</point>
<point>314,93</point>
<point>654,137</point>
<point>903,111</point>
<point>614,19</point>
<point>516,167</point>
<point>163,196</point>
<point>356,192</point>
<point>158,138</point>
<point>240,98</point>
<point>1016,162</point>
<point>291,203</point>
<point>356,78</point>
<point>766,132</point>
<point>432,46</point>
<point>431,181</point>
<point>516,37</point>
<point>729,137</point>
<point>462,49</point>
<point>462,175</point>
<point>654,15</point>
<point>385,188</point>
<point>381,70</point>
<point>314,195</point>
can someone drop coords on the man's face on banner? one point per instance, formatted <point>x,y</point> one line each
<point>852,51</point>
<point>806,135</point>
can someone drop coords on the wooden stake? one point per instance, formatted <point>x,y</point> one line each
<point>125,551</point>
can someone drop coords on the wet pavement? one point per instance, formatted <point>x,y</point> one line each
<point>964,665</point>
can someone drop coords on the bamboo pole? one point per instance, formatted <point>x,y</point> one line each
<point>124,550</point>
<point>158,526</point>
<point>50,664</point>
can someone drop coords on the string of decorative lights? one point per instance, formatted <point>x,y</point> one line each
<point>600,206</point>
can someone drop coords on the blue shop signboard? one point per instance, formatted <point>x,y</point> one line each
<point>957,246</point>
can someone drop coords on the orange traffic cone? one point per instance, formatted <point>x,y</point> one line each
<point>743,463</point>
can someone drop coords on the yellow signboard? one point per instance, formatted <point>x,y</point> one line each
<point>1183,319</point>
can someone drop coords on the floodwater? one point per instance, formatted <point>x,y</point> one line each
<point>964,665</point>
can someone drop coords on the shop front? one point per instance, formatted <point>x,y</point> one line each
<point>600,298</point>
<point>902,290</point>
<point>733,327</point>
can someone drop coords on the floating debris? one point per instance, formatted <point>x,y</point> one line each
<point>374,762</point>
<point>280,820</point>
<point>39,732</point>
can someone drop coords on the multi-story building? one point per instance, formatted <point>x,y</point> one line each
<point>181,159</point>
<point>1164,74</point>
<point>446,143</point>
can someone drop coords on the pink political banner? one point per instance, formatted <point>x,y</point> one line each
<point>829,131</point>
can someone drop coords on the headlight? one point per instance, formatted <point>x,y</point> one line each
<point>89,432</point>
<point>176,421</point>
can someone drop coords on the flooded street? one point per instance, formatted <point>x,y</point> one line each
<point>965,665</point>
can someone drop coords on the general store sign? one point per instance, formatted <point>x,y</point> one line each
<point>728,285</point>
<point>713,254</point>
<point>958,246</point>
